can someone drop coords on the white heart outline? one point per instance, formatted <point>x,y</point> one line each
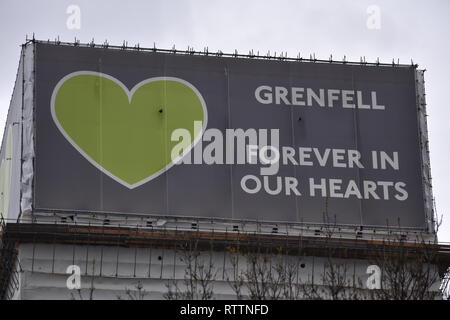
<point>130,94</point>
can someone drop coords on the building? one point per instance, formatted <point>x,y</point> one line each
<point>184,184</point>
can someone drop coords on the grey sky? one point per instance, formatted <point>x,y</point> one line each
<point>418,30</point>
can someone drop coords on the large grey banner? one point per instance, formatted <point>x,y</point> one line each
<point>204,136</point>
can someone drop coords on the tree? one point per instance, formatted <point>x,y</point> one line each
<point>408,271</point>
<point>138,294</point>
<point>265,276</point>
<point>266,272</point>
<point>198,278</point>
<point>445,286</point>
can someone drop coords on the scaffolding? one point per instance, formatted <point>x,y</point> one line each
<point>8,258</point>
<point>134,240</point>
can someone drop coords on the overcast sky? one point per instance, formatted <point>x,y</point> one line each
<point>418,30</point>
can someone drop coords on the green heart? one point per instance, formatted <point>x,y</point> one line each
<point>126,134</point>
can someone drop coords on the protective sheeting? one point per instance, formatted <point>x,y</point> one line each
<point>5,173</point>
<point>49,272</point>
<point>27,129</point>
<point>11,151</point>
<point>106,272</point>
<point>425,155</point>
